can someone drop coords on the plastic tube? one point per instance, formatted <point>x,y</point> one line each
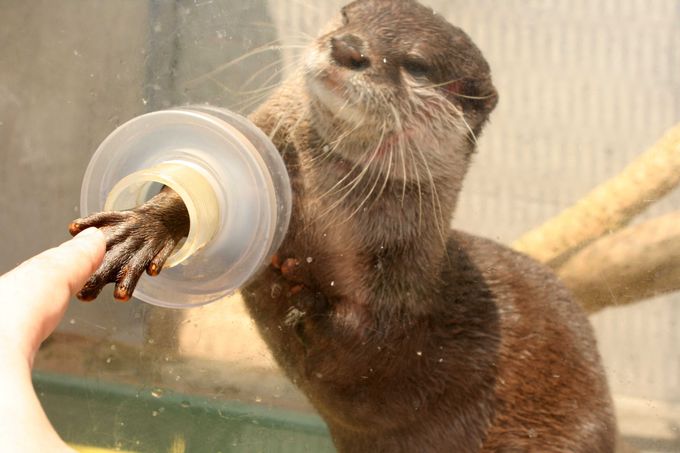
<point>229,175</point>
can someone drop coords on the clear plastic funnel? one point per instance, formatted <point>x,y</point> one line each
<point>229,175</point>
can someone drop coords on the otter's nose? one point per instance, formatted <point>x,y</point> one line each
<point>346,51</point>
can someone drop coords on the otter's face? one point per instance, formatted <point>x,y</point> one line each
<point>394,66</point>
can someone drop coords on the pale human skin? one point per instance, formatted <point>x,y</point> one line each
<point>35,295</point>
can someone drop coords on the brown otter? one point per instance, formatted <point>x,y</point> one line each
<point>406,337</point>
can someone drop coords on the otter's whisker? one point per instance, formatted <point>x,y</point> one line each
<point>265,68</point>
<point>436,205</point>
<point>420,191</point>
<point>249,102</point>
<point>306,38</point>
<point>269,47</point>
<point>402,154</point>
<point>333,146</point>
<point>471,135</point>
<point>245,104</point>
<point>387,177</point>
<point>400,144</point>
<point>349,173</point>
<point>377,179</point>
<point>255,99</point>
<point>353,184</point>
<point>458,95</point>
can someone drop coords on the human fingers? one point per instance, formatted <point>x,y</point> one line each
<point>35,294</point>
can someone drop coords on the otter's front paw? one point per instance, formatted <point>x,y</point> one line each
<point>294,272</point>
<point>136,240</point>
<point>300,285</point>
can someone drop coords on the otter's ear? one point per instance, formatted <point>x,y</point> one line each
<point>488,96</point>
<point>473,94</point>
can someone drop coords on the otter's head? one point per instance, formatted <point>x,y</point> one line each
<point>394,69</point>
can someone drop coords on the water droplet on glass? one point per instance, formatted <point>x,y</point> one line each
<point>157,392</point>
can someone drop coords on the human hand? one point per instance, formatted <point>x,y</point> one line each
<point>35,296</point>
<point>37,292</point>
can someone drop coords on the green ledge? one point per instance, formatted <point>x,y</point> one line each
<point>122,417</point>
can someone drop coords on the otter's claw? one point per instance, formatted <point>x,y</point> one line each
<point>295,273</point>
<point>136,240</point>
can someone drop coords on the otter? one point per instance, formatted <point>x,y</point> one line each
<point>405,335</point>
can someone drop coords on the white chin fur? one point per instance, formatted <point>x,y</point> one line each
<point>341,108</point>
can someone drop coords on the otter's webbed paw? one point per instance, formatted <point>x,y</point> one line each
<point>307,307</point>
<point>294,272</point>
<point>136,240</point>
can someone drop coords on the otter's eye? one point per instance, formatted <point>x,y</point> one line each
<point>345,17</point>
<point>416,67</point>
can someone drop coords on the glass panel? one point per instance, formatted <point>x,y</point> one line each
<point>584,88</point>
